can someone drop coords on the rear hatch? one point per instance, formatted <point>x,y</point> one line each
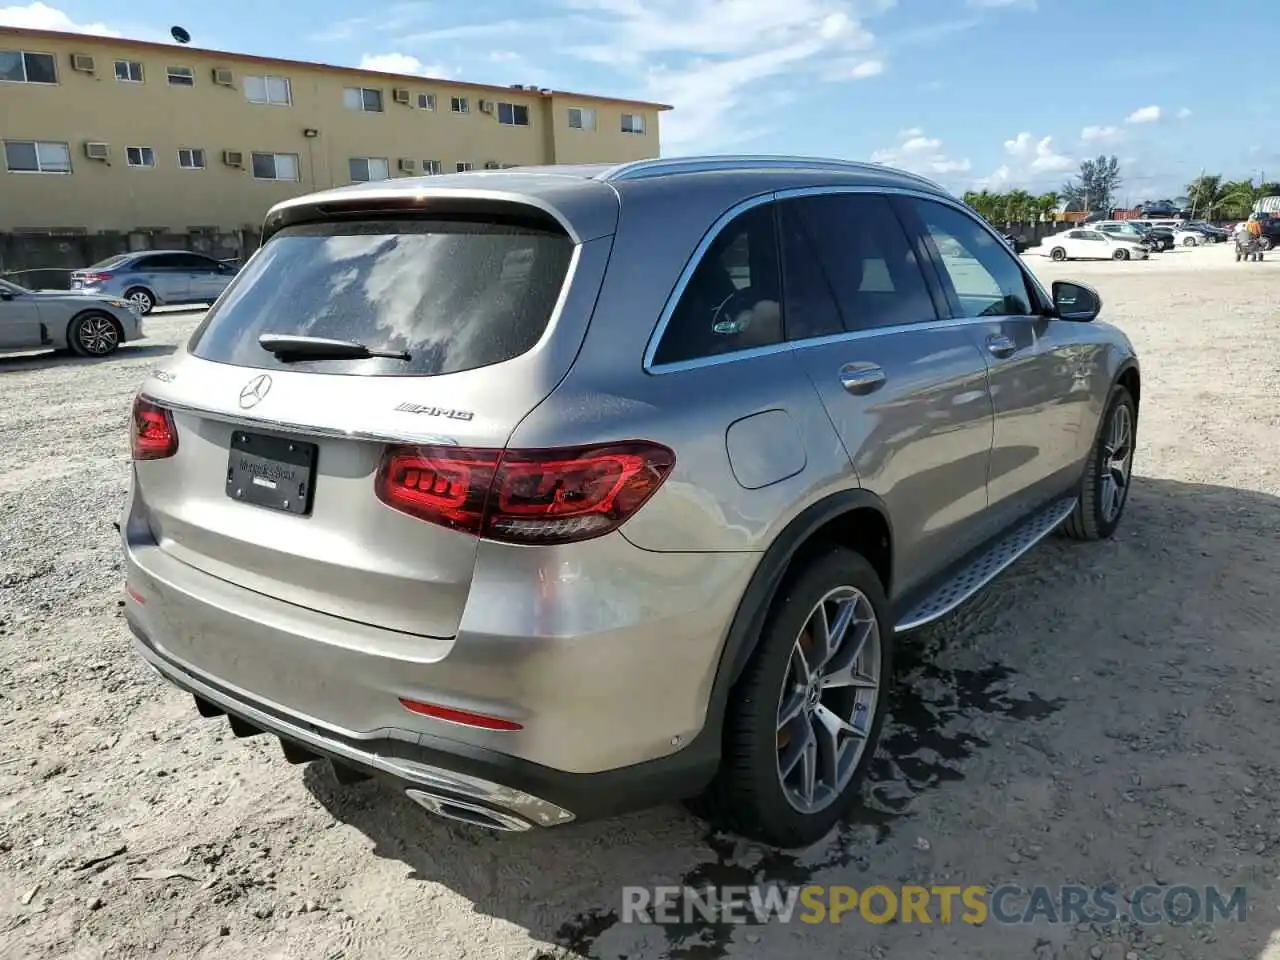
<point>273,483</point>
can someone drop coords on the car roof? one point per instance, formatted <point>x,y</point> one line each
<point>584,198</point>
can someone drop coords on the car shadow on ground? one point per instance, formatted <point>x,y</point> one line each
<point>60,358</point>
<point>565,885</point>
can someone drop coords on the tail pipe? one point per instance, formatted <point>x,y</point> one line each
<point>464,811</point>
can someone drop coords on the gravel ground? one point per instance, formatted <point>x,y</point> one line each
<point>1099,715</point>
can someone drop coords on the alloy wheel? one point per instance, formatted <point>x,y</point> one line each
<point>1116,462</point>
<point>97,335</point>
<point>828,699</point>
<point>142,300</point>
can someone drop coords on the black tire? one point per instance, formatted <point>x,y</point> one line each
<point>1239,256</point>
<point>1265,243</point>
<point>1090,520</point>
<point>142,298</point>
<point>94,334</point>
<point>1189,241</point>
<point>747,796</point>
<point>1120,255</point>
<point>1057,253</point>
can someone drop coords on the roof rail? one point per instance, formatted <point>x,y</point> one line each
<point>656,167</point>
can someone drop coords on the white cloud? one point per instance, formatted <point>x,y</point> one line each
<point>503,56</point>
<point>1184,113</point>
<point>918,153</point>
<point>715,59</point>
<point>1038,157</point>
<point>401,63</point>
<point>1144,115</point>
<point>1101,134</point>
<point>40,16</point>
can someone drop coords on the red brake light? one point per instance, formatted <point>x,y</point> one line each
<point>94,277</point>
<point>525,496</point>
<point>152,434</point>
<point>465,717</point>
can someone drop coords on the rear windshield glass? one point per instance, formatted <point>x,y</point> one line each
<point>109,262</point>
<point>453,295</point>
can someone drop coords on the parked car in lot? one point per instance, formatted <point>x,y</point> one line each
<point>1127,230</point>
<point>1090,245</point>
<point>55,319</point>
<point>1214,234</point>
<point>542,513</point>
<point>156,278</point>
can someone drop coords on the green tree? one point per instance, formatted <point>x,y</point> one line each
<point>1095,186</point>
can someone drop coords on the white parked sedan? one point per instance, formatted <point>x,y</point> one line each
<point>61,320</point>
<point>1090,245</point>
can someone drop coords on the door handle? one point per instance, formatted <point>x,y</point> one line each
<point>861,378</point>
<point>998,345</point>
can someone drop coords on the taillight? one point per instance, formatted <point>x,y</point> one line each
<point>92,277</point>
<point>525,496</point>
<point>152,434</point>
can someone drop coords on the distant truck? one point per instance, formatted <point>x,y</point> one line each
<point>1270,205</point>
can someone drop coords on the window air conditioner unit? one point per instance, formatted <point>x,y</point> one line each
<point>400,95</point>
<point>222,77</point>
<point>407,166</point>
<point>233,158</point>
<point>96,150</point>
<point>82,62</point>
<point>492,165</point>
<point>486,106</point>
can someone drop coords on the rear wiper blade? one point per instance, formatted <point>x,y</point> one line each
<point>290,349</point>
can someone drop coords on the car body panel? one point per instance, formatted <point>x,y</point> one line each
<point>606,650</point>
<point>1090,245</point>
<point>41,319</point>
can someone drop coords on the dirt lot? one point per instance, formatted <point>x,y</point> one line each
<point>1104,713</point>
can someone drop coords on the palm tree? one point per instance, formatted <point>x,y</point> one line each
<point>1211,196</point>
<point>1046,205</point>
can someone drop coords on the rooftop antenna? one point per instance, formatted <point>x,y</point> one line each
<point>179,34</point>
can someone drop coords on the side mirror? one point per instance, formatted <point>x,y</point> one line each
<point>1076,301</point>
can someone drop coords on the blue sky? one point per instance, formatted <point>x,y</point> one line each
<point>974,93</point>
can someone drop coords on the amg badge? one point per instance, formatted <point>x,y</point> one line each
<point>434,411</point>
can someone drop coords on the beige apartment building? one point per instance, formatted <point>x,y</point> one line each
<point>108,134</point>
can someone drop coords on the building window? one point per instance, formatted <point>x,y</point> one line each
<point>463,166</point>
<point>364,169</point>
<point>180,76</point>
<point>513,114</point>
<point>19,66</point>
<point>191,158</point>
<point>426,101</point>
<point>459,105</point>
<point>365,99</point>
<point>140,156</point>
<point>273,90</point>
<point>129,71</point>
<point>633,123</point>
<point>275,166</point>
<point>37,156</point>
<point>582,118</point>
<point>432,167</point>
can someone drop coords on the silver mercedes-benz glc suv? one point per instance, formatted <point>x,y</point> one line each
<point>555,492</point>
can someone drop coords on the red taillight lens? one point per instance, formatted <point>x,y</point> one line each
<point>93,277</point>
<point>525,496</point>
<point>152,434</point>
<point>465,717</point>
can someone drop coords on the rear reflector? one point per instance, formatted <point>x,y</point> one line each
<point>525,496</point>
<point>459,716</point>
<point>152,434</point>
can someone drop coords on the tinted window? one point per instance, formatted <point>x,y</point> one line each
<point>866,258</point>
<point>115,261</point>
<point>733,299</point>
<point>159,261</point>
<point>986,276</point>
<point>810,302</point>
<point>454,295</point>
<point>193,261</point>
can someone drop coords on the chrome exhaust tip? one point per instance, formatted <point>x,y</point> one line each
<point>464,812</point>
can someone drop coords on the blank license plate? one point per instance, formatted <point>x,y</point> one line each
<point>271,472</point>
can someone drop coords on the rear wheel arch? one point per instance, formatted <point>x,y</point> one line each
<point>856,519</point>
<point>1129,377</point>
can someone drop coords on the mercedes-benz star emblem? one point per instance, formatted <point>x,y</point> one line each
<point>255,390</point>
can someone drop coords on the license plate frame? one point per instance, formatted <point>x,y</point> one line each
<point>274,473</point>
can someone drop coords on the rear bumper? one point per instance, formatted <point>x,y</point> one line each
<point>530,793</point>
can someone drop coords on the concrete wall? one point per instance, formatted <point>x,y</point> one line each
<point>96,195</point>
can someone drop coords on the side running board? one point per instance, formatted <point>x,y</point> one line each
<point>980,569</point>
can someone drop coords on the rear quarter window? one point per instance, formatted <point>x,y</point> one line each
<point>454,295</point>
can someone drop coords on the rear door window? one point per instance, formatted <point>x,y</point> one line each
<point>454,295</point>
<point>863,253</point>
<point>733,300</point>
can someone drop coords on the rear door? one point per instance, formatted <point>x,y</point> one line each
<point>165,275</point>
<point>274,483</point>
<point>907,392</point>
<point>205,279</point>
<point>1037,366</point>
